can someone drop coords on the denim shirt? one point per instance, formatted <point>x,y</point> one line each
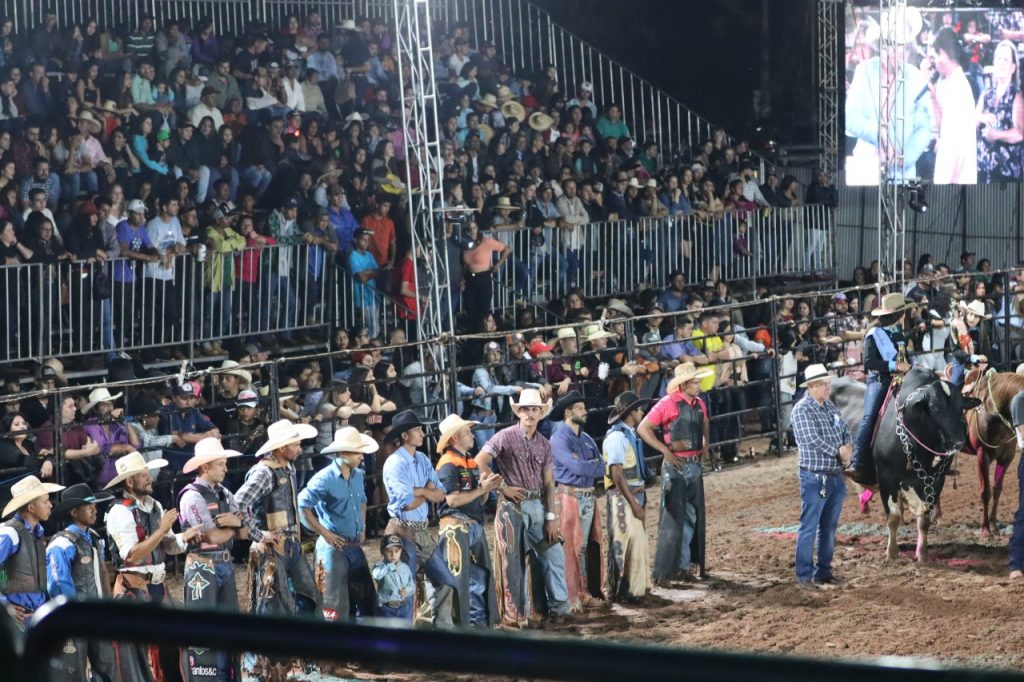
<point>390,579</point>
<point>337,502</point>
<point>403,472</point>
<point>576,457</point>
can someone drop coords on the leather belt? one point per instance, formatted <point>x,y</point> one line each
<point>415,525</point>
<point>223,555</point>
<point>394,604</point>
<point>483,413</point>
<point>533,495</point>
<point>578,492</point>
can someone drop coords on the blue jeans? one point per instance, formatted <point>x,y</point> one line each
<point>218,314</point>
<point>481,436</point>
<point>874,396</point>
<point>568,268</point>
<point>819,517</point>
<point>107,326</point>
<point>284,315</point>
<point>371,317</point>
<point>586,506</point>
<point>1017,539</point>
<point>74,183</point>
<point>956,376</point>
<point>258,179</point>
<point>551,558</point>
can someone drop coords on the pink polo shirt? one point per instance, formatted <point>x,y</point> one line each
<point>665,412</point>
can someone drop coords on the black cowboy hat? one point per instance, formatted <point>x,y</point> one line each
<point>626,402</point>
<point>564,403</point>
<point>76,496</point>
<point>143,405</point>
<point>402,422</point>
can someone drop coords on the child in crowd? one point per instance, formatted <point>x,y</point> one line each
<point>393,580</point>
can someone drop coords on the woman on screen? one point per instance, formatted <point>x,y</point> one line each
<point>1001,120</point>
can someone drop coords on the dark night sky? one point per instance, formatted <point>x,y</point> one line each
<point>707,53</point>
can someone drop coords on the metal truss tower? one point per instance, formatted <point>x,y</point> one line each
<point>892,112</point>
<point>424,186</point>
<point>828,86</point>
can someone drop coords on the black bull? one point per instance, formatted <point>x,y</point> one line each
<point>917,437</point>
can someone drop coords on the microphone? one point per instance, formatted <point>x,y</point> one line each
<point>932,80</point>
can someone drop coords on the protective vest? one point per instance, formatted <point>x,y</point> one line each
<point>25,570</point>
<point>146,523</point>
<point>686,433</point>
<point>278,506</point>
<point>85,569</point>
<point>632,468</point>
<point>216,503</point>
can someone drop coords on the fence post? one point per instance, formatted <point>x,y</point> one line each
<point>1007,340</point>
<point>275,406</point>
<point>630,350</point>
<point>453,375</point>
<point>776,392</point>
<point>58,439</point>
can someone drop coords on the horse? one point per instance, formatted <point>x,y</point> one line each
<point>991,436</point>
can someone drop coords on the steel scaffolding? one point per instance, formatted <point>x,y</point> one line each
<point>828,86</point>
<point>892,97</point>
<point>424,188</point>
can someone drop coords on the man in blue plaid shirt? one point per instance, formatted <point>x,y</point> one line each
<point>825,446</point>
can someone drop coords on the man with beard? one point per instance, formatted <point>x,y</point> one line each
<point>577,464</point>
<point>76,570</point>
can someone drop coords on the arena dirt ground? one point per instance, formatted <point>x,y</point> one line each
<point>959,609</point>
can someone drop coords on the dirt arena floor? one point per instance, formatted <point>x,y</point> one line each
<point>959,609</point>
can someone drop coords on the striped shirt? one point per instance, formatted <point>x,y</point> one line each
<point>819,431</point>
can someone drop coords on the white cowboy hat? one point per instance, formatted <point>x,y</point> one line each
<point>593,332</point>
<point>348,439</point>
<point>283,432</point>
<point>505,203</point>
<point>348,25</point>
<point>208,450</point>
<point>565,333</point>
<point>448,427</point>
<point>976,308</point>
<point>131,464</point>
<point>633,182</point>
<point>513,109</point>
<point>97,396</point>
<point>540,121</point>
<point>234,369</point>
<point>26,490</point>
<point>620,306</point>
<point>530,397</point>
<point>815,373</point>
<point>891,303</point>
<point>94,125</point>
<point>684,372</point>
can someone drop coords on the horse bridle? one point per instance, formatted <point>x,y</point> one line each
<point>980,409</point>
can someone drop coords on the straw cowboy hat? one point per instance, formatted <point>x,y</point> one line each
<point>86,116</point>
<point>486,132</point>
<point>406,420</point>
<point>530,397</point>
<point>450,426</point>
<point>489,101</point>
<point>26,490</point>
<point>975,308</point>
<point>349,439</point>
<point>891,303</point>
<point>504,203</point>
<point>76,496</point>
<point>110,106</point>
<point>504,92</point>
<point>815,373</point>
<point>593,332</point>
<point>619,306</point>
<point>626,402</point>
<point>208,450</point>
<point>513,109</point>
<point>282,433</point>
<point>541,122</point>
<point>97,396</point>
<point>348,25</point>
<point>131,464</point>
<point>684,372</point>
<point>234,369</point>
<point>565,333</point>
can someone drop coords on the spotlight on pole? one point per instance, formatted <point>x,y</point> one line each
<point>917,200</point>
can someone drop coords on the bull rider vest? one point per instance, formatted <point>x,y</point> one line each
<point>216,503</point>
<point>279,505</point>
<point>24,572</point>
<point>146,523</point>
<point>686,433</point>
<point>85,569</point>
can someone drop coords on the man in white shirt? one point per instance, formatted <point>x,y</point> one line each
<point>164,232</point>
<point>956,154</point>
<point>207,107</point>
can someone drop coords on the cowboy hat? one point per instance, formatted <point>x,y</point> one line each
<point>76,496</point>
<point>348,25</point>
<point>593,332</point>
<point>333,173</point>
<point>815,373</point>
<point>488,101</point>
<point>504,91</point>
<point>110,106</point>
<point>564,403</point>
<point>530,397</point>
<point>976,308</point>
<point>94,125</point>
<point>208,450</point>
<point>406,420</point>
<point>633,182</point>
<point>348,439</point>
<point>392,184</point>
<point>235,370</point>
<point>626,402</point>
<point>356,116</point>
<point>486,132</point>
<point>565,333</point>
<point>282,433</point>
<point>97,396</point>
<point>513,109</point>
<point>619,306</point>
<point>131,464</point>
<point>891,303</point>
<point>26,490</point>
<point>143,406</point>
<point>684,372</point>
<point>541,122</point>
<point>449,426</point>
<point>504,203</point>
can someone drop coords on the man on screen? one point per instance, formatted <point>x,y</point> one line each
<point>956,152</point>
<point>863,111</point>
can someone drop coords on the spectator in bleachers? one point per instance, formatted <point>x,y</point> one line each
<point>106,428</point>
<point>185,420</point>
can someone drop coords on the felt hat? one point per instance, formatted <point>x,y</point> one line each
<point>26,490</point>
<point>540,121</point>
<point>564,403</point>
<point>207,450</point>
<point>626,402</point>
<point>815,372</point>
<point>684,372</point>
<point>99,395</point>
<point>406,420</point>
<point>891,303</point>
<point>76,496</point>
<point>449,426</point>
<point>513,109</point>
<point>530,397</point>
<point>348,439</point>
<point>131,464</point>
<point>976,308</point>
<point>282,433</point>
<point>143,406</point>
